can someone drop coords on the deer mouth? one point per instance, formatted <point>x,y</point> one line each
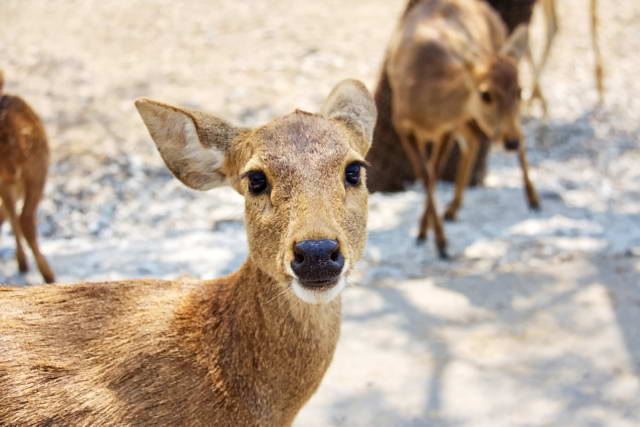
<point>319,291</point>
<point>319,285</point>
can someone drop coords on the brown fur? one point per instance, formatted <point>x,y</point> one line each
<point>445,55</point>
<point>24,161</point>
<point>241,350</point>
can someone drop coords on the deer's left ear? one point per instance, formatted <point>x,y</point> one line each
<point>194,145</point>
<point>351,103</point>
<point>517,43</point>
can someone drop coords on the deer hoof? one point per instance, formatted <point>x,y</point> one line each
<point>450,215</point>
<point>23,266</point>
<point>442,251</point>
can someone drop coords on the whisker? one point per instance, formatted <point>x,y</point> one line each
<point>277,295</point>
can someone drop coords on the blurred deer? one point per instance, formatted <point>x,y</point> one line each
<point>247,349</point>
<point>551,24</point>
<point>24,160</point>
<point>450,63</point>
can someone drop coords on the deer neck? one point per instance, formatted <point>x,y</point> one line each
<point>264,304</point>
<point>260,338</point>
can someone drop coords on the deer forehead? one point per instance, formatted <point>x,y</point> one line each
<point>503,75</point>
<point>300,144</point>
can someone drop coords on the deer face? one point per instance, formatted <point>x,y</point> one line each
<point>302,176</point>
<point>496,98</point>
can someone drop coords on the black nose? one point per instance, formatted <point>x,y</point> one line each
<point>317,262</point>
<point>512,144</point>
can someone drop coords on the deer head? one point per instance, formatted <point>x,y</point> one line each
<point>302,176</point>
<point>496,99</point>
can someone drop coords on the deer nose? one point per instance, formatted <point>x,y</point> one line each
<point>317,263</point>
<point>512,144</point>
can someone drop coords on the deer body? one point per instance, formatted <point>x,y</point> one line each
<point>248,349</point>
<point>428,63</point>
<point>451,67</point>
<point>210,352</point>
<point>24,161</point>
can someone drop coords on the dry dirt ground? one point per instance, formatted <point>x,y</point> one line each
<point>536,320</point>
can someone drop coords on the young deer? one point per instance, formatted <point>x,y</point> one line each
<point>248,349</point>
<point>551,23</point>
<point>24,160</point>
<point>449,64</point>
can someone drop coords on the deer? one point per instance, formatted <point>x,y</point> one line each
<point>247,349</point>
<point>24,163</point>
<point>386,151</point>
<point>451,66</point>
<point>551,26</point>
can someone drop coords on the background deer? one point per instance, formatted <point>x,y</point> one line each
<point>248,349</point>
<point>551,24</point>
<point>386,151</point>
<point>449,63</point>
<point>24,161</point>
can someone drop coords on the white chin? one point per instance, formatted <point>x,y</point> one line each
<point>320,296</point>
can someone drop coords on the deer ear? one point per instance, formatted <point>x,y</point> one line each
<point>192,144</point>
<point>351,103</point>
<point>517,43</point>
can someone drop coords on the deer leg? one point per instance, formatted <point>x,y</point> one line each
<point>532,194</point>
<point>551,21</point>
<point>428,179</point>
<point>418,167</point>
<point>468,153</point>
<point>425,222</point>
<point>439,155</point>
<point>33,194</point>
<point>536,91</point>
<point>9,206</point>
<point>444,153</point>
<point>551,24</point>
<point>2,217</point>
<point>430,216</point>
<point>599,68</point>
<point>432,210</point>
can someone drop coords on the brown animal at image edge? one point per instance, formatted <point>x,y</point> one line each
<point>24,163</point>
<point>248,349</point>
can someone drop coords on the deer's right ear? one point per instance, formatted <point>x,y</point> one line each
<point>351,103</point>
<point>517,43</point>
<point>192,144</point>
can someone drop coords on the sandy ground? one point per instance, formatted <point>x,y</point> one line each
<point>535,321</point>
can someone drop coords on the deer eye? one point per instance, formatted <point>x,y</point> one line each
<point>352,174</point>
<point>486,97</point>
<point>257,182</point>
